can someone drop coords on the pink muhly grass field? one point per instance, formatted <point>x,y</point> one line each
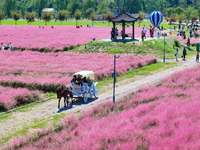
<point>56,38</point>
<point>159,117</point>
<point>49,69</point>
<point>11,97</point>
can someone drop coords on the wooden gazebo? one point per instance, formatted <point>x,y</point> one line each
<point>124,18</point>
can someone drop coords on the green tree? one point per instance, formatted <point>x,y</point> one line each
<point>93,17</point>
<point>47,16</point>
<point>87,13</point>
<point>170,11</point>
<point>194,17</point>
<point>77,15</point>
<point>41,4</point>
<point>104,12</point>
<point>184,3</point>
<point>61,4</point>
<point>73,6</point>
<point>2,16</point>
<point>141,17</point>
<point>188,13</point>
<point>152,5</point>
<point>23,10</point>
<point>172,18</point>
<point>89,4</point>
<point>179,10</point>
<point>103,6</point>
<point>62,15</point>
<point>109,16</point>
<point>9,5</point>
<point>181,17</point>
<point>30,17</point>
<point>195,2</point>
<point>15,16</point>
<point>131,5</point>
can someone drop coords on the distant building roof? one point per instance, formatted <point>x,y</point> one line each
<point>47,9</point>
<point>124,17</point>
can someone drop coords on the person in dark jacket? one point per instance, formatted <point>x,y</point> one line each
<point>184,53</point>
<point>79,80</point>
<point>73,81</point>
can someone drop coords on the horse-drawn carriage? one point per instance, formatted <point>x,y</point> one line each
<point>86,90</point>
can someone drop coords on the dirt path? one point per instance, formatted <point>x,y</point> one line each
<point>47,109</point>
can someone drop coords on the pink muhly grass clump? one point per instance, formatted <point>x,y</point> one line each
<point>192,40</point>
<point>10,97</point>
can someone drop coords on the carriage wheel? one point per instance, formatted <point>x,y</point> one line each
<point>85,97</point>
<point>96,93</point>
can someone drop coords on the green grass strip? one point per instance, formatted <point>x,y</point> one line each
<point>138,73</point>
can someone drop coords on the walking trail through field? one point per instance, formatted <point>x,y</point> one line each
<point>46,110</point>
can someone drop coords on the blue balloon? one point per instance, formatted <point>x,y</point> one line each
<point>156,18</point>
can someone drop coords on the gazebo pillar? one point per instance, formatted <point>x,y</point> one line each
<point>114,25</point>
<point>133,36</point>
<point>123,29</point>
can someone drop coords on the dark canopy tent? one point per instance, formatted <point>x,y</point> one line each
<point>124,18</point>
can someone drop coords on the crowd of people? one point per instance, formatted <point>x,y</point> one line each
<point>80,80</point>
<point>42,27</point>
<point>8,47</point>
<point>193,31</point>
<point>114,33</point>
<point>151,31</point>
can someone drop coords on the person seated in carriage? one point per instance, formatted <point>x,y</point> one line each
<point>73,81</point>
<point>79,80</point>
<point>84,80</point>
<point>89,81</point>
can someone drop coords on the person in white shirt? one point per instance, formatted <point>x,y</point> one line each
<point>10,47</point>
<point>2,47</point>
<point>158,33</point>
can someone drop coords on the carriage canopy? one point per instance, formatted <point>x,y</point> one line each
<point>86,74</point>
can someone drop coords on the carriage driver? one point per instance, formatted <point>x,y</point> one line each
<point>74,79</point>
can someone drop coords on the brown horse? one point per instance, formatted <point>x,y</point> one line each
<point>65,92</point>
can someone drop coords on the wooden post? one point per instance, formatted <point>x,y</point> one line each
<point>133,37</point>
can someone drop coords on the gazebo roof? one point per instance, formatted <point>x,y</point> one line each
<point>124,17</point>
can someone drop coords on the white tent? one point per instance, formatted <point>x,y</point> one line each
<point>48,9</point>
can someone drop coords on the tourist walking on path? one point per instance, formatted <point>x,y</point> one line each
<point>152,32</point>
<point>184,53</point>
<point>158,33</point>
<point>143,34</point>
<point>178,33</point>
<point>197,57</point>
<point>176,55</point>
<point>190,31</point>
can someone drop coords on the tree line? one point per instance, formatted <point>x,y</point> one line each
<point>90,9</point>
<point>179,14</point>
<point>100,7</point>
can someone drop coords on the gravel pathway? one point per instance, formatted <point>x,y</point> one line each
<point>47,109</point>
